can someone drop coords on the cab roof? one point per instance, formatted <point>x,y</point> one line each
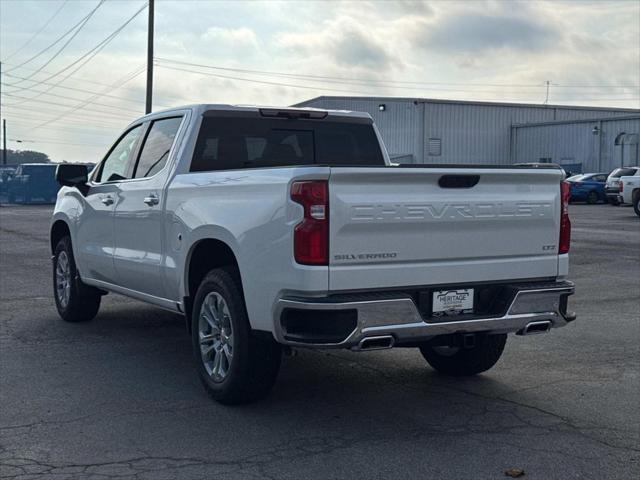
<point>297,112</point>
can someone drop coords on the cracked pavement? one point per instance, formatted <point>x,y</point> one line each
<point>118,397</point>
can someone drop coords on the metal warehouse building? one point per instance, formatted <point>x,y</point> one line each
<point>596,145</point>
<point>419,130</point>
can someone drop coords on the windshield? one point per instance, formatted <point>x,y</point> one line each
<point>623,172</point>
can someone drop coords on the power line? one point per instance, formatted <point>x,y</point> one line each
<point>83,80</point>
<point>63,78</point>
<point>64,105</point>
<point>68,75</point>
<point>38,32</point>
<point>262,82</point>
<point>116,85</point>
<point>92,82</point>
<point>106,134</point>
<point>64,97</point>
<point>81,23</point>
<point>377,81</point>
<point>85,115</point>
<point>81,90</point>
<point>85,118</point>
<point>96,48</point>
<point>56,142</point>
<point>317,87</point>
<point>66,44</point>
<point>109,130</point>
<point>77,118</point>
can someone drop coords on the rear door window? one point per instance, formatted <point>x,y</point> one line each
<point>157,146</point>
<point>254,142</point>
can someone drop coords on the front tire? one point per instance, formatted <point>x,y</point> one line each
<point>235,364</point>
<point>462,362</point>
<point>75,301</point>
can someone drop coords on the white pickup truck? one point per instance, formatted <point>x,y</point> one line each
<point>275,228</point>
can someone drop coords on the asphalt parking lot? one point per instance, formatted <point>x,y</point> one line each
<point>118,397</point>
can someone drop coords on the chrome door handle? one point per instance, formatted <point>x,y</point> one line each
<point>151,200</point>
<point>108,200</point>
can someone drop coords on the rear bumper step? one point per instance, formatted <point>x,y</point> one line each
<point>373,323</point>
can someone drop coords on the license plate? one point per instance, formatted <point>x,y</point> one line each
<point>452,302</point>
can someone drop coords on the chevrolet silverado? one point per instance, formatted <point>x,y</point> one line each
<point>278,228</point>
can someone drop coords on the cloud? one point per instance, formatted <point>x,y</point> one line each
<point>476,33</point>
<point>344,42</point>
<point>354,48</point>
<point>242,37</point>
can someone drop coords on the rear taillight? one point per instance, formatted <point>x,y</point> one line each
<point>311,235</point>
<point>621,187</point>
<point>565,224</point>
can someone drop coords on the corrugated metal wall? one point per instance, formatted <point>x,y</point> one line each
<point>475,133</point>
<point>571,143</point>
<point>468,132</point>
<point>401,123</point>
<point>612,154</point>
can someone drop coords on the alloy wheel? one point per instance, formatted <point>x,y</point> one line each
<point>63,279</point>
<point>215,335</point>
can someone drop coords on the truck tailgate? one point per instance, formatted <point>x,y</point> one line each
<point>397,227</point>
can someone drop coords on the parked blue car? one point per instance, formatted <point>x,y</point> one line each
<point>588,187</point>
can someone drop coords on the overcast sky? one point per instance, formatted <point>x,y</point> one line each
<point>493,50</point>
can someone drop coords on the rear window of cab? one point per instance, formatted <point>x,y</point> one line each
<point>236,142</point>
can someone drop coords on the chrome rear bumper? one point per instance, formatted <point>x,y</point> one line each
<point>400,318</point>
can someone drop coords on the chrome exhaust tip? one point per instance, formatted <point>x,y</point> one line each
<point>376,343</point>
<point>534,328</point>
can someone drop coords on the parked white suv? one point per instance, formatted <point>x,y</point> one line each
<point>271,228</point>
<point>612,186</point>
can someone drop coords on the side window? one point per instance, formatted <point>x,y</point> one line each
<point>157,146</point>
<point>601,178</point>
<point>116,165</point>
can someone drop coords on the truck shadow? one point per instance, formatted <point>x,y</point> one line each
<point>150,350</point>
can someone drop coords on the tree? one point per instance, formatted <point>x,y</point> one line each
<point>16,157</point>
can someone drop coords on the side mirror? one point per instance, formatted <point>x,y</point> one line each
<point>70,175</point>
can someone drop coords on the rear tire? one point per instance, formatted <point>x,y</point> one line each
<point>75,301</point>
<point>613,201</point>
<point>636,205</point>
<point>462,362</point>
<point>592,198</point>
<point>235,364</point>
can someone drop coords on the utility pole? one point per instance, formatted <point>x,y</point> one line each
<point>546,99</point>
<point>149,59</point>
<point>4,124</point>
<point>0,89</point>
<point>4,141</point>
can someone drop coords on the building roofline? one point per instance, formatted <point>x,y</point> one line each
<point>581,120</point>
<point>464,102</point>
